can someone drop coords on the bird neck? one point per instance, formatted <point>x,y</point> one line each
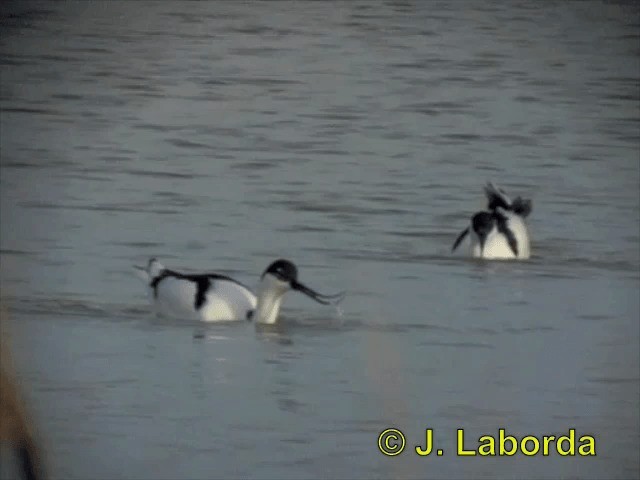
<point>270,295</point>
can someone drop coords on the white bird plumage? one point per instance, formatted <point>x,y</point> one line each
<point>212,297</point>
<point>500,232</point>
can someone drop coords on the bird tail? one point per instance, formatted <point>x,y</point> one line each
<point>142,273</point>
<point>151,271</point>
<point>499,199</point>
<point>496,197</point>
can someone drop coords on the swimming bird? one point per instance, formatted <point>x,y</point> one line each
<point>211,297</point>
<point>500,232</point>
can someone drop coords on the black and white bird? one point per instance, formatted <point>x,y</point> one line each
<point>500,232</point>
<point>211,297</point>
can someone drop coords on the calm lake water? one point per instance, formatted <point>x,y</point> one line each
<point>353,138</point>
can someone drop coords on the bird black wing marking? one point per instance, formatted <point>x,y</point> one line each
<point>202,287</point>
<point>460,238</point>
<point>506,231</point>
<point>158,278</point>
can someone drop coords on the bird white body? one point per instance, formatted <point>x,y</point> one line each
<point>174,296</point>
<point>226,301</point>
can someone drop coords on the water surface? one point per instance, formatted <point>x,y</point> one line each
<point>354,139</point>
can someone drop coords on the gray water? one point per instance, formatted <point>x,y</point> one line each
<point>354,139</point>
